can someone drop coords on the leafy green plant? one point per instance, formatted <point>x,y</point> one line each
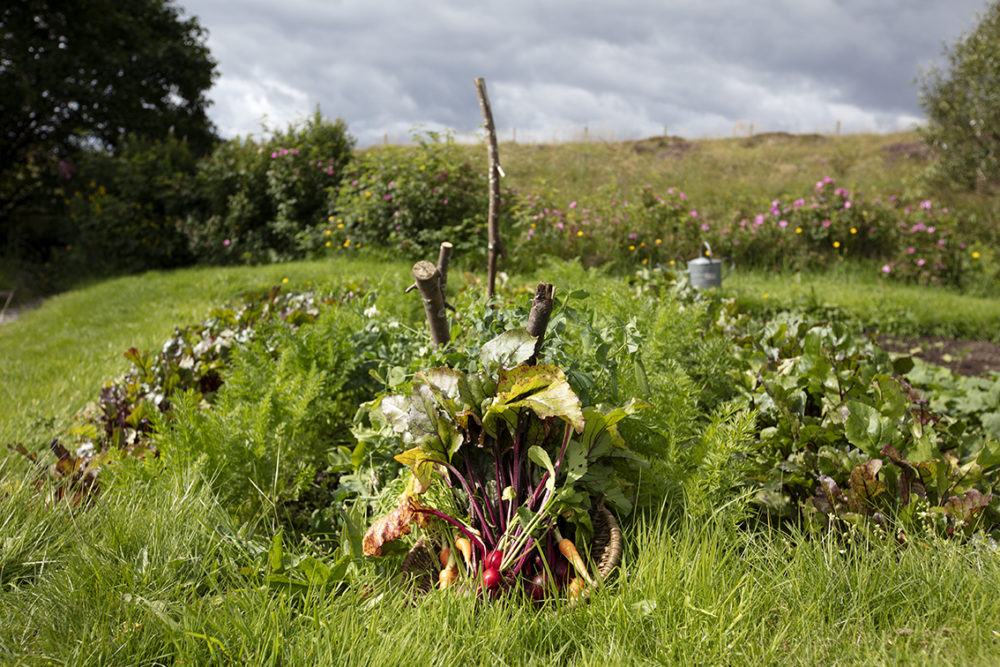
<point>258,196</point>
<point>409,200</point>
<point>846,439</point>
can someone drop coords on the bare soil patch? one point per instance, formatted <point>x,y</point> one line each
<point>965,357</point>
<point>664,147</point>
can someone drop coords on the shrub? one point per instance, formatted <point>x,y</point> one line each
<point>409,199</point>
<point>611,227</point>
<point>963,107</point>
<point>256,197</point>
<point>123,209</point>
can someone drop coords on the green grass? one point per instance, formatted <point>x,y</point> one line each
<point>880,305</point>
<point>722,175</point>
<point>155,570</point>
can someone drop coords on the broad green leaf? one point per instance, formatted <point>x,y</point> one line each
<point>316,571</point>
<point>575,461</point>
<point>507,350</point>
<point>867,429</point>
<point>396,409</point>
<point>543,389</point>
<point>989,455</point>
<point>339,569</point>
<point>447,380</point>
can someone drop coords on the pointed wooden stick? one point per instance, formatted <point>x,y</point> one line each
<point>494,244</point>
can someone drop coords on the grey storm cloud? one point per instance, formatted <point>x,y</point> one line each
<point>621,69</point>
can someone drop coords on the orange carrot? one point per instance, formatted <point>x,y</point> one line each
<point>443,556</point>
<point>465,546</point>
<point>447,577</point>
<point>576,589</point>
<point>568,550</point>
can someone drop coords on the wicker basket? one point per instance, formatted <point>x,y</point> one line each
<point>421,566</point>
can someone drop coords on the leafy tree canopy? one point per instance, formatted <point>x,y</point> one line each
<point>963,107</point>
<point>86,73</point>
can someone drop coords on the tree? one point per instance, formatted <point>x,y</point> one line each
<point>80,74</point>
<point>963,107</point>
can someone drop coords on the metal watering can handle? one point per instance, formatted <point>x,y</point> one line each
<point>732,265</point>
<point>708,253</point>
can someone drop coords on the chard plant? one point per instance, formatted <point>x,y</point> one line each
<point>503,463</point>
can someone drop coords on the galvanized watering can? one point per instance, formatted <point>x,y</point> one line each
<point>707,272</point>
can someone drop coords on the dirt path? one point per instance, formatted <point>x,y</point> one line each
<point>966,357</point>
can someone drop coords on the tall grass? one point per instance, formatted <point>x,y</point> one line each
<point>162,576</point>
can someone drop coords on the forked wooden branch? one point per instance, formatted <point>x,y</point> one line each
<point>494,244</point>
<point>538,317</point>
<point>429,284</point>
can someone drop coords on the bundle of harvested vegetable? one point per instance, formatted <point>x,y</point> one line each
<point>520,462</point>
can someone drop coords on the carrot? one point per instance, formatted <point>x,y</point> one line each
<point>443,556</point>
<point>568,550</point>
<point>447,577</point>
<point>577,589</point>
<point>465,546</point>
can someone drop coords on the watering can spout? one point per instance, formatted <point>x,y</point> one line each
<point>705,271</point>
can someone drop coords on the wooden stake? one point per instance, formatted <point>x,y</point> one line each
<point>494,245</point>
<point>538,318</point>
<point>429,284</point>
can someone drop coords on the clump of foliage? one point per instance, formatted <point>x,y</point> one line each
<point>409,200</point>
<point>962,105</point>
<point>256,197</point>
<point>124,208</point>
<point>846,440</point>
<point>622,229</point>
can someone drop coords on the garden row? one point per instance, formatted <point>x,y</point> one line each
<point>790,420</point>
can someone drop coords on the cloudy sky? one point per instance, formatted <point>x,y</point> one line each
<point>622,69</point>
